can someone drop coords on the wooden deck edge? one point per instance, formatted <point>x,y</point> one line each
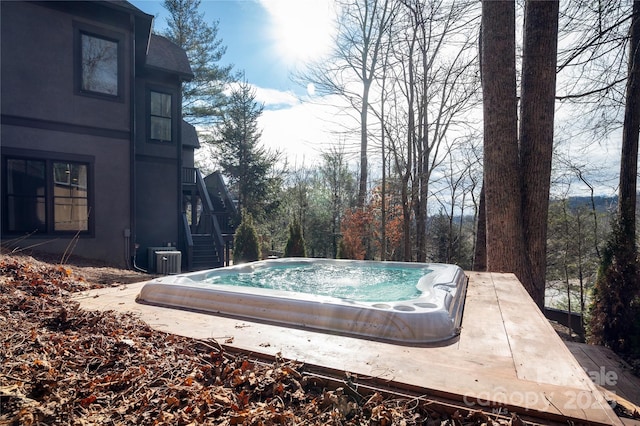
<point>448,401</point>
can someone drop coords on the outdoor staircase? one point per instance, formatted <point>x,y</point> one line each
<point>204,254</point>
<point>209,234</point>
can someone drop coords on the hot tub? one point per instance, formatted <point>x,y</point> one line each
<point>428,310</point>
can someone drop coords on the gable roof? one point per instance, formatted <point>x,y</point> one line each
<point>128,6</point>
<point>189,135</point>
<point>165,55</point>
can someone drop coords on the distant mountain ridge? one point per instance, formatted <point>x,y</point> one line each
<point>602,203</point>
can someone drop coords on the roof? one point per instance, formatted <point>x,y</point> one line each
<point>189,135</point>
<point>165,55</point>
<point>126,6</point>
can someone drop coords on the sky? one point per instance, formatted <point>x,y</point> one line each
<point>268,40</point>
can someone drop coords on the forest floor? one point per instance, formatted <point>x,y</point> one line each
<point>64,365</point>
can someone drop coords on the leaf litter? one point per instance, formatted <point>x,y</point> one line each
<point>62,365</point>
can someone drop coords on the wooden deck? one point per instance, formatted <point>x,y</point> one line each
<point>507,354</point>
<point>611,374</point>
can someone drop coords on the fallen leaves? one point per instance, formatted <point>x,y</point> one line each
<point>62,365</point>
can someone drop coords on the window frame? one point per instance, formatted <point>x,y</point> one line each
<point>172,118</point>
<point>80,29</point>
<point>49,159</point>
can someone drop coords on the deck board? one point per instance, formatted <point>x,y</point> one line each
<point>506,354</point>
<point>608,370</point>
<point>544,361</point>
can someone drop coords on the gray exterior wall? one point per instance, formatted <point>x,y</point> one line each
<point>158,170</point>
<point>44,117</point>
<point>134,183</point>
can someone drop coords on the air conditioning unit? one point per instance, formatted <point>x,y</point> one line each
<point>153,266</point>
<point>168,262</point>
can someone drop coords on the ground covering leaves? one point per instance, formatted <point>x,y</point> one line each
<point>62,365</point>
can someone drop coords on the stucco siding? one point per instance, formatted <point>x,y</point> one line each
<point>38,43</point>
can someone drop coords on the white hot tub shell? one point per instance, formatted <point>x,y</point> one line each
<point>434,316</point>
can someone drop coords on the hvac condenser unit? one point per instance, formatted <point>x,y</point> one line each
<point>165,260</point>
<point>168,262</point>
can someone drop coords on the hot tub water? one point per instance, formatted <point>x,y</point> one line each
<point>370,283</point>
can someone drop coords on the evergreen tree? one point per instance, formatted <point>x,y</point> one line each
<point>615,318</point>
<point>615,308</point>
<point>295,244</point>
<point>202,98</point>
<point>248,167</point>
<point>246,247</point>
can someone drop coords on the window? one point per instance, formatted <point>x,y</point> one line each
<point>99,64</point>
<point>26,189</point>
<point>160,117</point>
<point>71,209</point>
<point>46,196</point>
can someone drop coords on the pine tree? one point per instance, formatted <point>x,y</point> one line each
<point>246,164</point>
<point>246,247</point>
<point>203,98</point>
<point>295,244</point>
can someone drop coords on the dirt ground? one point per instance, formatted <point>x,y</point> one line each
<point>91,270</point>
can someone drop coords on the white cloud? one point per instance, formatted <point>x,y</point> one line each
<point>304,130</point>
<point>275,98</point>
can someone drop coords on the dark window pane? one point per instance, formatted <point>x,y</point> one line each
<point>26,186</point>
<point>70,204</point>
<point>99,59</point>
<point>160,104</point>
<point>161,128</point>
<point>71,214</point>
<point>160,120</point>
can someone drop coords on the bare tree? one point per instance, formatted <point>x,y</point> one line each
<point>617,294</point>
<point>631,133</point>
<point>537,108</point>
<point>433,83</point>
<point>518,169</point>
<point>352,67</point>
<point>339,181</point>
<point>506,251</point>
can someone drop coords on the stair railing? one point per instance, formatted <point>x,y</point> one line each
<point>188,240</point>
<point>209,216</point>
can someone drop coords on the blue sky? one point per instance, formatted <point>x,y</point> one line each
<point>260,36</point>
<point>268,39</point>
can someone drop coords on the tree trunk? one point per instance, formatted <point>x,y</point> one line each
<point>505,237</point>
<point>630,134</point>
<point>536,132</point>
<point>364,165</point>
<point>480,249</point>
<point>615,312</point>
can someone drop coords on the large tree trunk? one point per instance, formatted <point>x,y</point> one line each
<point>630,134</point>
<point>536,132</point>
<point>505,238</point>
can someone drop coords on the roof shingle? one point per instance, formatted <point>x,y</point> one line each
<point>165,55</point>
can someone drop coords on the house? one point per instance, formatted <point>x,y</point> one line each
<point>96,159</point>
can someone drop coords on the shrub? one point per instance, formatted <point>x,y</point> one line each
<point>615,309</point>
<point>295,244</point>
<point>246,247</point>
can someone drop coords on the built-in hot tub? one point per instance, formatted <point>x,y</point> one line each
<point>409,303</point>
